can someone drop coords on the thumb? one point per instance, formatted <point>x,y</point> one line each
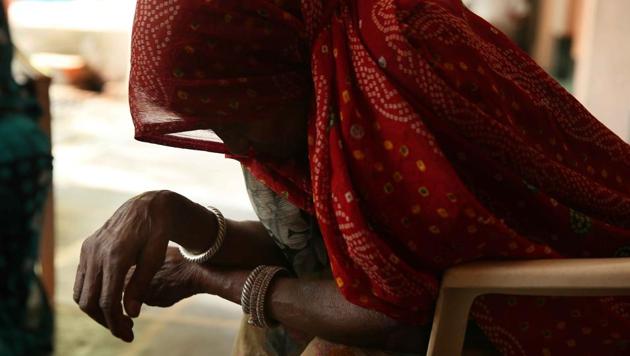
<point>139,283</point>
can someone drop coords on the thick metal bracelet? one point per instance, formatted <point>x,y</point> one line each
<point>259,293</point>
<point>218,243</point>
<point>247,289</point>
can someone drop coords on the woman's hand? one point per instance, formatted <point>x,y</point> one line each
<point>136,235</point>
<point>177,279</point>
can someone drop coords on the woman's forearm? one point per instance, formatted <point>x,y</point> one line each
<point>247,243</point>
<point>317,308</point>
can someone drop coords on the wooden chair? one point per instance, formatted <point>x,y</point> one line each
<point>570,277</point>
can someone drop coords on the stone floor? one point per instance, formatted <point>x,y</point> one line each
<point>98,166</point>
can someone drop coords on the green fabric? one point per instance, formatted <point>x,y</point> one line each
<point>26,323</point>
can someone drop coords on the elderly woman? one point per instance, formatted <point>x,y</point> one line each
<point>382,142</point>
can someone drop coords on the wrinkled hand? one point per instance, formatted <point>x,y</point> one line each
<point>136,235</point>
<point>177,279</point>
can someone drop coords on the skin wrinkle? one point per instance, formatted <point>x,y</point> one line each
<point>156,215</point>
<point>354,325</point>
<point>159,278</point>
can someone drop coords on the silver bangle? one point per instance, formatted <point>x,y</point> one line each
<point>204,257</point>
<point>255,293</point>
<point>247,289</point>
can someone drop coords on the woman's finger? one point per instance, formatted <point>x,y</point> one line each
<point>110,301</point>
<point>140,281</point>
<point>90,292</point>
<point>128,275</point>
<point>78,284</point>
<point>80,276</point>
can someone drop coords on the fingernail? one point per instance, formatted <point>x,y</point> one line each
<point>134,309</point>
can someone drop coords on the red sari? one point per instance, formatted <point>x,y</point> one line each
<point>433,141</point>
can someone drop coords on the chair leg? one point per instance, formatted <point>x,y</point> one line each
<point>449,323</point>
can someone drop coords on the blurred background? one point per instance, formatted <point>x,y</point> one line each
<point>83,45</point>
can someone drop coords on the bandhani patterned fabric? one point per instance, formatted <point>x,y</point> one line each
<point>433,141</point>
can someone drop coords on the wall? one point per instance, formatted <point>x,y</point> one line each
<point>98,31</point>
<point>602,80</point>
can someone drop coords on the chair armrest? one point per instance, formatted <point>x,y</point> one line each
<point>568,277</point>
<point>561,277</point>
